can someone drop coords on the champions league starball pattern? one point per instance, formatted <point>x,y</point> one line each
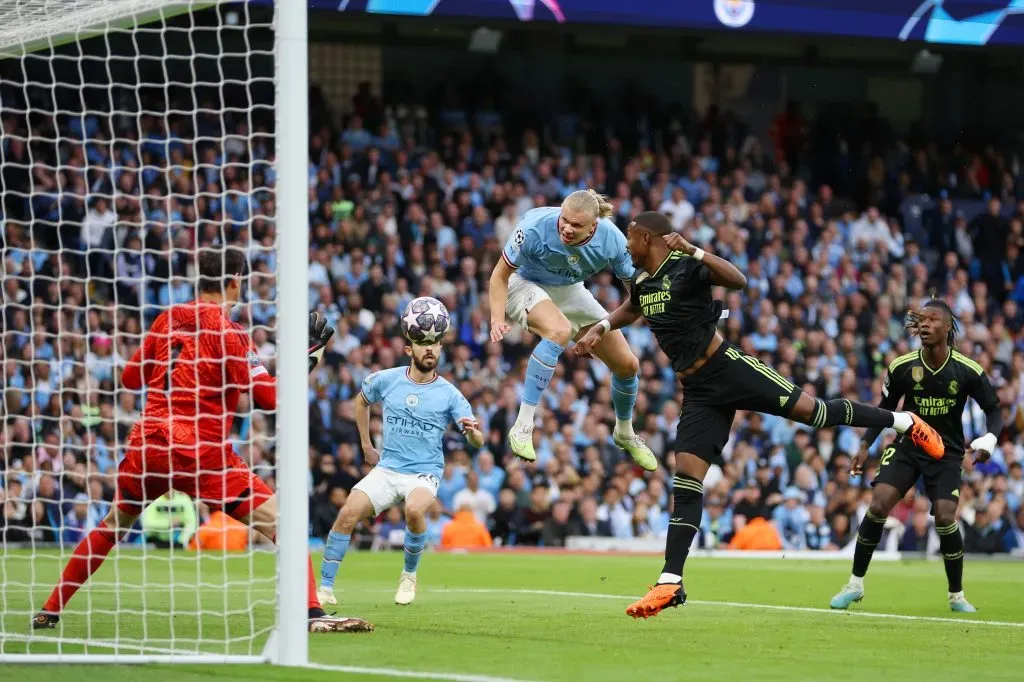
<point>425,320</point>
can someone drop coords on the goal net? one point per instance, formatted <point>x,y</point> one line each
<point>137,136</point>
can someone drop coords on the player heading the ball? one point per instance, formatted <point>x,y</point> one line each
<point>418,407</point>
<point>539,284</point>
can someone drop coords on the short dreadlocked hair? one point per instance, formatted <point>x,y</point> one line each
<point>912,320</point>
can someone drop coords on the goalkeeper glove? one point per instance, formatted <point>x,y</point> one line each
<point>984,445</point>
<point>320,334</point>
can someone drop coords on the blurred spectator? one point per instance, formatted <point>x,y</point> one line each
<point>464,531</point>
<point>990,533</point>
<point>476,498</point>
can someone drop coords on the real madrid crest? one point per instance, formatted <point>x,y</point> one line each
<point>666,283</point>
<point>954,387</point>
<point>917,373</point>
<point>412,400</point>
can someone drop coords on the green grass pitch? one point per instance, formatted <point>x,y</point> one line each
<point>539,617</point>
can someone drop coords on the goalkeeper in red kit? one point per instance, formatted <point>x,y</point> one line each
<point>195,363</point>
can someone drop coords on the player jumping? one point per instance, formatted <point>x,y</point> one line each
<point>672,290</point>
<point>418,407</point>
<point>194,363</point>
<point>539,283</point>
<point>938,395</point>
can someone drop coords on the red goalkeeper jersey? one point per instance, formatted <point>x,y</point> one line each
<point>195,363</point>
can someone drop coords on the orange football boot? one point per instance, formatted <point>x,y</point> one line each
<point>926,438</point>
<point>660,597</point>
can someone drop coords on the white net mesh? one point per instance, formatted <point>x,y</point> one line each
<point>126,157</point>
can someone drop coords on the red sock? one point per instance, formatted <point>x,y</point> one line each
<point>85,560</point>
<point>314,603</point>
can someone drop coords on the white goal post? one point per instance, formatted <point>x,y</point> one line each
<point>137,133</point>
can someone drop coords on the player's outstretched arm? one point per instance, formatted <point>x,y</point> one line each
<point>723,273</point>
<point>623,316</point>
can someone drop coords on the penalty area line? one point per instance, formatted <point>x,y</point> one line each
<point>391,672</point>
<point>744,605</point>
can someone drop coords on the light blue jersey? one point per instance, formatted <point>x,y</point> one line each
<point>415,419</point>
<point>537,253</point>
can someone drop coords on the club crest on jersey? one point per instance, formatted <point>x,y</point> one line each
<point>954,387</point>
<point>412,400</point>
<point>252,358</point>
<point>917,373</point>
<point>573,260</point>
<point>666,283</point>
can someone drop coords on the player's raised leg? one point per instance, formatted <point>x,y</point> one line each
<point>826,413</point>
<point>545,320</point>
<point>357,508</point>
<point>614,352</point>
<point>416,505</point>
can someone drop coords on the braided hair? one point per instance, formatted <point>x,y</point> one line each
<point>912,320</point>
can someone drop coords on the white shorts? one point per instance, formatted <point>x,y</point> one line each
<point>386,488</point>
<point>574,300</point>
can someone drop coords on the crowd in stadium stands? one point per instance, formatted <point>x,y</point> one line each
<point>402,204</point>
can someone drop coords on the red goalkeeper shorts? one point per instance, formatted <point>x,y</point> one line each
<point>212,474</point>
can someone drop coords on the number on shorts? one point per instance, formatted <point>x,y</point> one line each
<point>887,455</point>
<point>175,350</point>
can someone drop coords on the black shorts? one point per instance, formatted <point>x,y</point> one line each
<point>902,464</point>
<point>729,381</point>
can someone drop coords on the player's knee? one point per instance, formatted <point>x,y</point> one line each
<point>347,520</point>
<point>880,506</point>
<point>560,332</point>
<point>414,516</point>
<point>945,514</point>
<point>627,367</point>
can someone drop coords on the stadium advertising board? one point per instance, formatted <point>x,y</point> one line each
<point>962,22</point>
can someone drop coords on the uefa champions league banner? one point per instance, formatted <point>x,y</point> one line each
<point>960,22</point>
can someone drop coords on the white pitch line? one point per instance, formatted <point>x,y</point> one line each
<point>390,672</point>
<point>745,605</point>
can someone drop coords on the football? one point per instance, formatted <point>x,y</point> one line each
<point>425,320</point>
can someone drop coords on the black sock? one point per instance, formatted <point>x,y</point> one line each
<point>868,536</point>
<point>316,613</point>
<point>952,545</point>
<point>688,496</point>
<point>841,411</point>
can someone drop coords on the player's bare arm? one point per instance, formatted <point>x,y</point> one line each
<point>471,429</point>
<point>370,453</point>
<point>623,316</point>
<point>723,273</point>
<point>498,297</point>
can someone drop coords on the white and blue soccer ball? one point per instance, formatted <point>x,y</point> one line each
<point>425,320</point>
